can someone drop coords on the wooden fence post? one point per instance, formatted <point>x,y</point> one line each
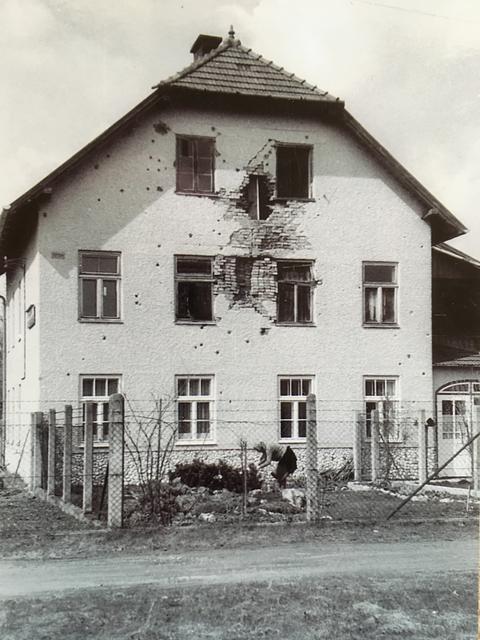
<point>36,476</point>
<point>52,426</point>
<point>116,416</point>
<point>476,451</point>
<point>88,459</point>
<point>67,456</point>
<point>422,448</point>
<point>375,445</point>
<point>312,460</point>
<point>357,447</point>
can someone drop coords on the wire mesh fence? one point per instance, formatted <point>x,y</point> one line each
<point>169,460</point>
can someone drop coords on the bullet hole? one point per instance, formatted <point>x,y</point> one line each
<point>158,160</point>
<point>237,169</point>
<point>159,188</point>
<point>108,155</point>
<point>159,245</point>
<point>223,160</point>
<point>306,137</point>
<point>247,341</point>
<point>95,166</point>
<point>399,364</point>
<point>152,141</point>
<point>264,331</point>
<point>150,157</point>
<point>157,264</point>
<point>99,199</point>
<point>158,169</point>
<point>213,128</point>
<point>423,373</point>
<point>217,352</point>
<point>201,344</point>
<point>68,374</point>
<point>190,235</point>
<point>195,346</point>
<point>148,168</point>
<point>104,337</point>
<point>408,355</point>
<point>219,233</point>
<point>229,331</point>
<point>44,214</point>
<point>161,127</point>
<point>148,188</point>
<point>121,190</point>
<point>411,313</point>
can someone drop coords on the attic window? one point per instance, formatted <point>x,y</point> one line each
<point>195,164</point>
<point>293,171</point>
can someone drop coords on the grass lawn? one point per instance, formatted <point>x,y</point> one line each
<point>353,608</point>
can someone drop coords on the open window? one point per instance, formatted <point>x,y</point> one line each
<point>195,164</point>
<point>194,283</point>
<point>295,292</point>
<point>294,171</point>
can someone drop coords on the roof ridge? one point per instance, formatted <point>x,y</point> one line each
<point>196,64</point>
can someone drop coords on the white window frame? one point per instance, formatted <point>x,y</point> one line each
<point>192,278</point>
<point>380,287</point>
<point>99,277</point>
<point>380,400</point>
<point>100,437</point>
<point>295,400</point>
<point>193,400</point>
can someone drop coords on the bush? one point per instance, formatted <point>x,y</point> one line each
<point>215,476</point>
<point>159,502</point>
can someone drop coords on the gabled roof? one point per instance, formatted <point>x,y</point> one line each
<point>232,68</point>
<point>235,71</point>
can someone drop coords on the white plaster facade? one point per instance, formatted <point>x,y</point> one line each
<point>123,199</point>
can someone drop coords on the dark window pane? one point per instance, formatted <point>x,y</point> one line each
<point>184,416</point>
<point>380,387</point>
<point>194,266</point>
<point>185,181</point>
<point>89,298</point>
<point>447,407</point>
<point>109,299</point>
<point>108,264</point>
<point>302,410</point>
<point>369,387</point>
<point>302,428</point>
<point>379,273</point>
<point>204,183</point>
<point>296,272</point>
<point>285,428</point>
<point>203,428</point>
<point>205,148</point>
<point>371,305</point>
<point>285,387</point>
<point>203,411</point>
<point>194,301</point>
<point>285,410</point>
<point>185,148</point>
<point>296,387</point>
<point>286,297</point>
<point>87,387</point>
<point>194,387</point>
<point>293,172</point>
<point>100,387</point>
<point>205,387</point>
<point>388,305</point>
<point>304,312</point>
<point>90,264</point>
<point>305,387</point>
<point>182,386</point>
<point>112,386</point>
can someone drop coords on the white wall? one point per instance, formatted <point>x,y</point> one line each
<point>358,213</point>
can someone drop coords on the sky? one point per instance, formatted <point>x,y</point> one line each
<point>408,70</point>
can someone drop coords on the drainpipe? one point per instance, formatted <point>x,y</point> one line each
<point>3,413</point>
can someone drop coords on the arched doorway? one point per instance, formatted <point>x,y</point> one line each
<point>458,407</point>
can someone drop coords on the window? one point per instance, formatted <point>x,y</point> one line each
<point>454,420</point>
<point>295,292</point>
<point>99,275</point>
<point>381,395</point>
<point>293,394</point>
<point>194,407</point>
<point>98,390</point>
<point>293,171</point>
<point>195,164</point>
<point>379,293</point>
<point>193,277</point>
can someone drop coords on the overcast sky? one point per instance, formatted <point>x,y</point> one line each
<point>409,70</point>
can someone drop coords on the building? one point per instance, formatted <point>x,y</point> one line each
<point>235,242</point>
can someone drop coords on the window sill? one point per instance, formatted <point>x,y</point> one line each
<point>292,441</point>
<point>101,320</point>
<point>197,323</point>
<point>295,324</point>
<point>293,199</point>
<point>380,326</point>
<point>195,443</point>
<point>96,445</point>
<point>198,194</point>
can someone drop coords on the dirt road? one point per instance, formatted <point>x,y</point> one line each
<point>30,578</point>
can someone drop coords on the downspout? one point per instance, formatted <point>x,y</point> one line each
<point>3,413</point>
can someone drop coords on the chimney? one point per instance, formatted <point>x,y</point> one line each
<point>204,44</point>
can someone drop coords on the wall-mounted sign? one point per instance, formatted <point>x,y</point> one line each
<point>30,313</point>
